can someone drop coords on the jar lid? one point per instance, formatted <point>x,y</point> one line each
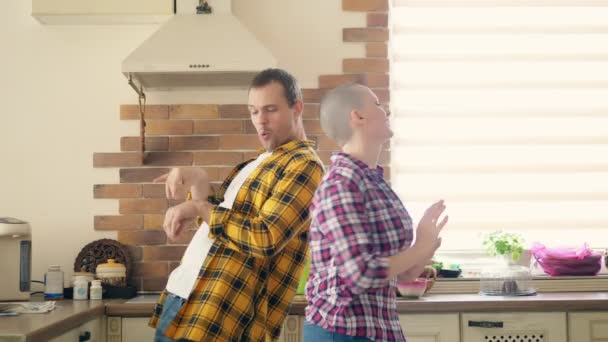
<point>96,283</point>
<point>81,278</point>
<point>54,267</point>
<point>111,269</point>
<point>111,264</point>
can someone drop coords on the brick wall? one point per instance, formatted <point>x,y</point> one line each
<point>215,137</point>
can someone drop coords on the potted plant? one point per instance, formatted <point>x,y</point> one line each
<point>509,245</point>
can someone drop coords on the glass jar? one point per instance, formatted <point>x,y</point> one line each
<point>81,287</point>
<point>112,273</point>
<point>96,290</point>
<point>506,281</point>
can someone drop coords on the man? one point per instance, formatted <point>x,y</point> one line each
<point>236,283</point>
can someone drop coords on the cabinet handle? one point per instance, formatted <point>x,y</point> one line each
<point>486,324</point>
<point>85,336</point>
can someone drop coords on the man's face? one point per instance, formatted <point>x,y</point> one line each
<point>274,120</point>
<point>377,126</point>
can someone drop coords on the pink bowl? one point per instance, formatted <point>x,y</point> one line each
<point>413,289</point>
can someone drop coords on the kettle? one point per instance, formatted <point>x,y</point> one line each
<point>15,259</point>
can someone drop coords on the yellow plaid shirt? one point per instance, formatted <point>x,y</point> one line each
<point>251,273</point>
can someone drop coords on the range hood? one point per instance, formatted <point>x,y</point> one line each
<point>198,50</point>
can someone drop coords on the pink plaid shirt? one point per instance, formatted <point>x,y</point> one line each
<point>357,223</point>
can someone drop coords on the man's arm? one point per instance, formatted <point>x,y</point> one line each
<point>280,219</point>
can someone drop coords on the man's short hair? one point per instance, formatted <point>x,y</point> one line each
<point>291,89</point>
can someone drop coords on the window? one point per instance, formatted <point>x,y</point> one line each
<point>501,108</point>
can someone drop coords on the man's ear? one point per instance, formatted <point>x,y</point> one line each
<point>298,108</point>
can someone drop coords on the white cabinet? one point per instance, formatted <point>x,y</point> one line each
<point>588,326</point>
<point>100,12</point>
<point>94,329</point>
<point>514,327</point>
<point>431,327</point>
<point>137,329</point>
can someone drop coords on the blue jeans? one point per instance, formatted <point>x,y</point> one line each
<point>314,333</point>
<point>171,307</point>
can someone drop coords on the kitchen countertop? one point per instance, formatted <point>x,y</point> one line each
<point>436,303</point>
<point>67,315</point>
<point>70,314</point>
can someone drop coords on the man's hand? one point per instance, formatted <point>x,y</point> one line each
<point>180,180</point>
<point>181,216</point>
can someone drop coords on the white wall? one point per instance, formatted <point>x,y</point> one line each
<point>60,88</point>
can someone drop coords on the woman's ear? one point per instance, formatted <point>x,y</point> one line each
<point>355,117</point>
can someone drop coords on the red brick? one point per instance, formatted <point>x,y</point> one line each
<point>169,127</point>
<point>376,50</point>
<point>383,94</point>
<point>365,65</point>
<point>173,265</point>
<point>152,144</point>
<point>142,237</point>
<point>163,253</point>
<point>142,206</point>
<point>365,5</point>
<point>311,111</point>
<point>135,252</point>
<point>117,190</point>
<point>193,143</point>
<point>125,159</point>
<point>234,111</point>
<point>332,81</point>
<point>156,269</point>
<point>154,222</point>
<point>326,144</point>
<point>366,34</point>
<point>312,95</point>
<point>154,190</point>
<point>121,222</point>
<point>218,126</point>
<point>145,175</point>
<point>376,80</point>
<point>239,142</point>
<point>376,19</point>
<point>193,111</point>
<point>312,127</point>
<point>218,158</point>
<point>131,112</point>
<point>153,284</point>
<point>169,158</point>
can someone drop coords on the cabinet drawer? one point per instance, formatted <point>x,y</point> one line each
<point>514,327</point>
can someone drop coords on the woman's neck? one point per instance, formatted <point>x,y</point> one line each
<point>367,153</point>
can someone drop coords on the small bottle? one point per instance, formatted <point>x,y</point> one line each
<point>53,283</point>
<point>96,289</point>
<point>81,286</point>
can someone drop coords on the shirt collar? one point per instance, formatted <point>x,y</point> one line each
<point>291,145</point>
<point>341,158</point>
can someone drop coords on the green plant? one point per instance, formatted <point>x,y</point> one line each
<point>503,243</point>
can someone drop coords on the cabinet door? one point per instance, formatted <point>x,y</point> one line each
<point>93,329</point>
<point>588,326</point>
<point>136,329</point>
<point>431,327</point>
<point>514,327</point>
<point>292,329</point>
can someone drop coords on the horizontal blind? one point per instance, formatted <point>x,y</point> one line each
<point>501,109</point>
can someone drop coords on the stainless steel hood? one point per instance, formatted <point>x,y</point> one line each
<point>198,50</point>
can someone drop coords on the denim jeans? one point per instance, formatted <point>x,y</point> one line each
<point>314,333</point>
<point>171,307</point>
